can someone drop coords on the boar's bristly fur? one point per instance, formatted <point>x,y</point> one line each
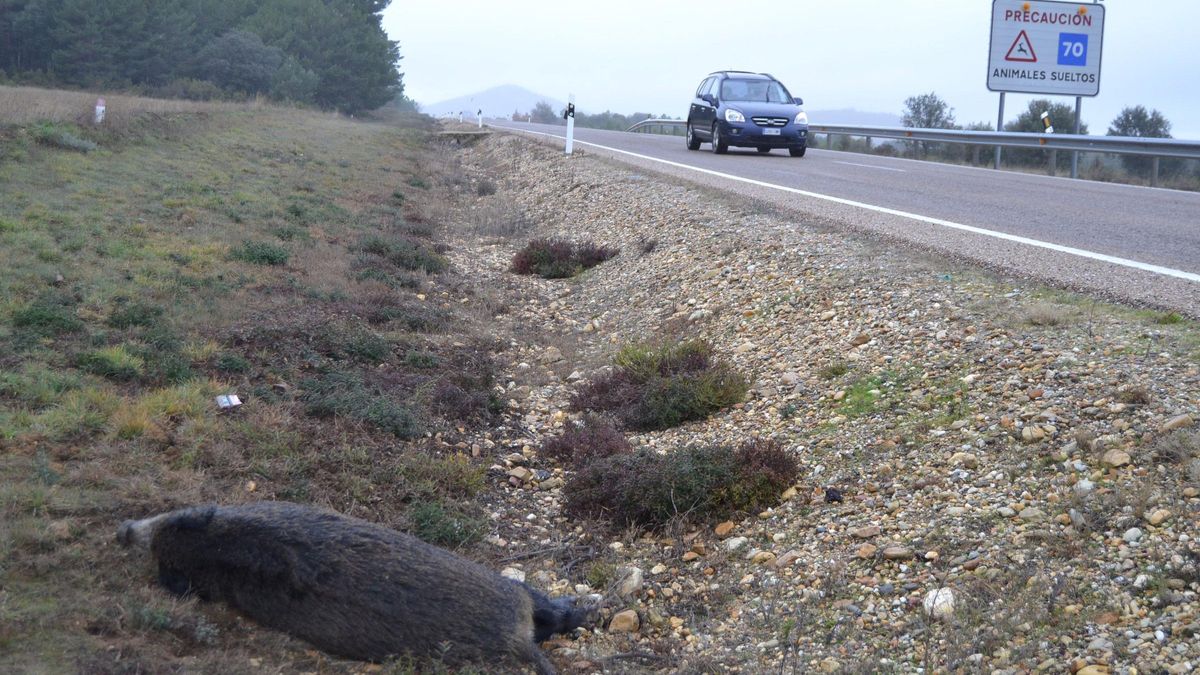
<point>350,587</point>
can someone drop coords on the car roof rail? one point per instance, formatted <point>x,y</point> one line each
<point>767,75</point>
<point>718,72</point>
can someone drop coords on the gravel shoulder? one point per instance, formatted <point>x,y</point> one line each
<point>1072,272</point>
<point>989,481</point>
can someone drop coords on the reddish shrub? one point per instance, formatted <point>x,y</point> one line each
<point>558,258</point>
<point>594,437</point>
<point>697,483</point>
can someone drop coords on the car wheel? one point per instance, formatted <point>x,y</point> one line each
<point>719,146</point>
<point>797,152</point>
<point>763,151</point>
<point>693,143</point>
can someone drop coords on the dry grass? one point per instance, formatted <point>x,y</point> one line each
<point>23,105</point>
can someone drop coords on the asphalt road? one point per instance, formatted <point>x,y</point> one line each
<point>1134,243</point>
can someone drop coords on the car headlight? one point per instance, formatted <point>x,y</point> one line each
<point>802,118</point>
<point>732,115</point>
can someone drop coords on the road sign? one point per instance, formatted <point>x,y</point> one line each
<point>1046,47</point>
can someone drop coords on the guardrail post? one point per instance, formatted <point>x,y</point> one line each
<point>1053,162</point>
<point>1154,172</point>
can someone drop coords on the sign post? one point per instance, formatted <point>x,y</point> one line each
<point>1044,47</point>
<point>569,113</point>
<point>101,108</point>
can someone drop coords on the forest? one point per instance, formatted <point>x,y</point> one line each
<point>333,54</point>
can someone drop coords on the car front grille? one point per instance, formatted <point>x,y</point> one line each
<point>770,121</point>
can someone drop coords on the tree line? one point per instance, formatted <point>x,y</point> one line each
<point>330,53</point>
<point>929,111</point>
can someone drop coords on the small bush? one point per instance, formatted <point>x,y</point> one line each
<point>344,394</point>
<point>414,316</point>
<point>441,525</point>
<point>56,136</point>
<point>558,258</point>
<point>1180,447</point>
<point>418,359</point>
<point>128,315</point>
<point>594,437</point>
<point>661,387</point>
<point>454,401</point>
<point>485,188</point>
<point>404,253</point>
<point>1045,314</point>
<point>1169,319</point>
<point>699,484</point>
<point>232,363</point>
<point>1135,395</point>
<point>373,268</point>
<point>261,253</point>
<point>291,233</point>
<point>349,340</point>
<point>834,370</point>
<point>48,315</point>
<point>418,182</point>
<point>115,363</point>
<point>429,476</point>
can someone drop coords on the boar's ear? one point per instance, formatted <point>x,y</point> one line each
<point>193,519</point>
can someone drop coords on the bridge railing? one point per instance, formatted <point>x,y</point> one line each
<point>1121,145</point>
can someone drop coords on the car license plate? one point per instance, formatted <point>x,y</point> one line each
<point>771,132</point>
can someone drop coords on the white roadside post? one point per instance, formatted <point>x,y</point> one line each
<point>101,108</point>
<point>570,115</point>
<point>479,117</point>
<point>1049,127</point>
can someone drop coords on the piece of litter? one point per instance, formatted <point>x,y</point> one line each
<point>228,401</point>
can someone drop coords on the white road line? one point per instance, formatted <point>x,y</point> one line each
<point>872,166</point>
<point>1092,255</point>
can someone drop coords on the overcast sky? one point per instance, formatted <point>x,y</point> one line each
<point>648,56</point>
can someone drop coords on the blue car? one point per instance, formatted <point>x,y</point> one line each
<point>746,110</point>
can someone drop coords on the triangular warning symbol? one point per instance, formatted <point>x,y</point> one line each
<point>1021,50</point>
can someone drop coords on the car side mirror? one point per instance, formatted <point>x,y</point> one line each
<point>798,101</point>
<point>709,99</point>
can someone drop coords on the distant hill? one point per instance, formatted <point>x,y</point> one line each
<point>498,102</point>
<point>853,117</point>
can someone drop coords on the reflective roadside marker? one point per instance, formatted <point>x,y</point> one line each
<point>1046,123</point>
<point>569,113</point>
<point>101,108</point>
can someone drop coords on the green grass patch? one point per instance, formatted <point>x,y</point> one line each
<point>446,525</point>
<point>115,363</point>
<point>261,253</point>
<point>136,313</point>
<point>48,315</point>
<point>344,394</point>
<point>404,253</point>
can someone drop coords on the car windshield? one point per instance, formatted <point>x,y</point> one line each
<point>762,91</point>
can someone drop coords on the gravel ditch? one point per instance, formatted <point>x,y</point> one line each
<point>997,476</point>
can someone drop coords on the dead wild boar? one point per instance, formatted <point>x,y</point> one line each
<point>349,587</point>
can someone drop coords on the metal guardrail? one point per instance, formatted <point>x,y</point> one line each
<point>1122,145</point>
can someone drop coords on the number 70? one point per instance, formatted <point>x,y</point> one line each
<point>1072,49</point>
